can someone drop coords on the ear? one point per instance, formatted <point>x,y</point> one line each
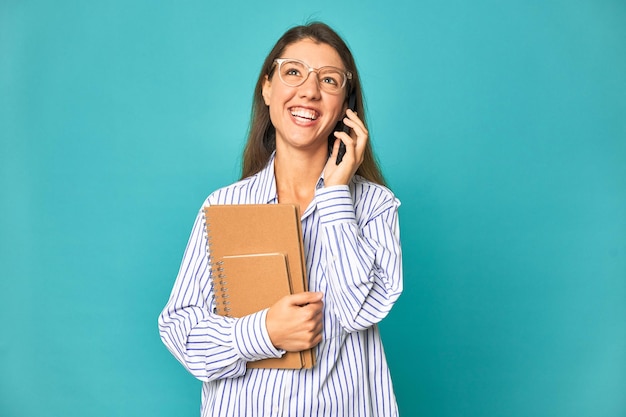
<point>267,90</point>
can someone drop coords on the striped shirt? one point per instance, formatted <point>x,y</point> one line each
<point>352,251</point>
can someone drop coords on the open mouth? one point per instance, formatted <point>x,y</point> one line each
<point>304,114</point>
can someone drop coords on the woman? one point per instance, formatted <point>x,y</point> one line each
<point>352,250</point>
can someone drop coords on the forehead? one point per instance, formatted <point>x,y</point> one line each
<point>313,53</point>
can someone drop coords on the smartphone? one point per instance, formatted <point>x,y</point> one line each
<point>346,129</point>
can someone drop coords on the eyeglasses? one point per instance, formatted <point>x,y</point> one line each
<point>293,72</point>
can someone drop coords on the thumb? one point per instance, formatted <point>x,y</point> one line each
<point>304,298</point>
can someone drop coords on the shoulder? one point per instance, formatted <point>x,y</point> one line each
<point>258,188</point>
<point>241,192</point>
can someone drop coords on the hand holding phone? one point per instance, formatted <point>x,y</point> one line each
<point>346,129</point>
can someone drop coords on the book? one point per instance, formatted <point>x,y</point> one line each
<point>250,283</point>
<point>257,257</point>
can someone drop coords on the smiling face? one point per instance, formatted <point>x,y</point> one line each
<point>304,116</point>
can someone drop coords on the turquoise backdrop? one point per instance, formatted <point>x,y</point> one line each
<point>501,125</point>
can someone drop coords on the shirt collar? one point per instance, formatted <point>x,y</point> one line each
<point>320,181</point>
<point>267,179</point>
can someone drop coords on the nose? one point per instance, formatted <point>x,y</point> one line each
<point>311,86</point>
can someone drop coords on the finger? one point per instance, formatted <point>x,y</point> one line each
<point>313,324</point>
<point>313,311</point>
<point>318,328</point>
<point>304,298</point>
<point>345,138</point>
<point>360,135</point>
<point>354,120</point>
<point>336,145</point>
<point>349,146</point>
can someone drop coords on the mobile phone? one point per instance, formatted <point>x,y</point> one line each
<point>346,129</point>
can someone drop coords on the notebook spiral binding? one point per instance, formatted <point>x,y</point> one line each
<point>219,281</point>
<point>221,296</point>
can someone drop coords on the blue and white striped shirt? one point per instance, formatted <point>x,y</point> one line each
<point>352,251</point>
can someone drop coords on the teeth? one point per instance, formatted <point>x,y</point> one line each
<point>304,113</point>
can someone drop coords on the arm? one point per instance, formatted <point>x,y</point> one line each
<point>362,252</point>
<point>208,345</point>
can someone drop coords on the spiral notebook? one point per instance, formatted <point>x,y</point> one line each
<point>257,257</point>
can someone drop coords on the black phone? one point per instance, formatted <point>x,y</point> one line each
<point>346,129</point>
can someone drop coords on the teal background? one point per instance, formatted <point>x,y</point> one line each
<point>500,125</point>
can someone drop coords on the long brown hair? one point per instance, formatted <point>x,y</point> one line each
<point>262,135</point>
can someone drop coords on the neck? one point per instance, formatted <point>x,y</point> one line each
<point>297,174</point>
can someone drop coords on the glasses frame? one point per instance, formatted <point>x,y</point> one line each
<point>347,75</point>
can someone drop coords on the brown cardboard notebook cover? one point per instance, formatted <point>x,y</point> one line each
<point>250,283</point>
<point>252,229</point>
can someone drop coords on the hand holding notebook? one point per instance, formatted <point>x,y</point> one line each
<point>294,323</point>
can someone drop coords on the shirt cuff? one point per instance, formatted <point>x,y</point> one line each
<point>251,340</point>
<point>335,205</point>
